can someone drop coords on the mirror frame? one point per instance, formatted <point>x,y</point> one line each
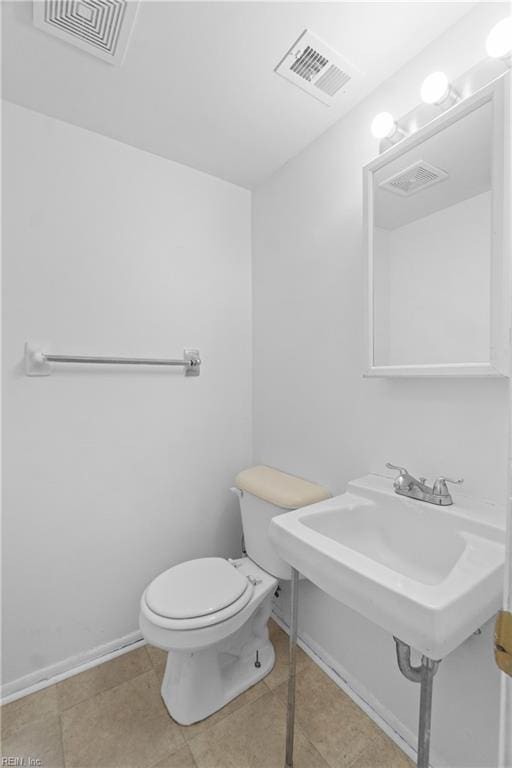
<point>498,94</point>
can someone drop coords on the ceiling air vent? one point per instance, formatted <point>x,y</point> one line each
<point>100,27</point>
<point>414,178</point>
<point>316,68</point>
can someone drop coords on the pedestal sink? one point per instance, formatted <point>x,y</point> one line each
<point>430,576</point>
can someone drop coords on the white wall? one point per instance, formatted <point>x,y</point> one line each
<point>112,475</point>
<point>436,274</point>
<point>315,416</point>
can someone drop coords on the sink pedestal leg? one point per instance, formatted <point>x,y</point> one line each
<point>424,675</point>
<point>428,670</point>
<point>290,715</point>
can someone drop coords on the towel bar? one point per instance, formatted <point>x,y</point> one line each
<point>39,363</point>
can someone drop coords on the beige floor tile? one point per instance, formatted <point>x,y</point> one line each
<point>253,737</point>
<point>93,681</point>
<point>280,642</point>
<point>158,658</point>
<point>382,753</point>
<point>180,759</point>
<point>338,728</point>
<point>37,740</point>
<point>248,696</point>
<point>28,709</point>
<point>124,727</point>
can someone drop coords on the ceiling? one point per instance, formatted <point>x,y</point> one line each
<point>197,85</point>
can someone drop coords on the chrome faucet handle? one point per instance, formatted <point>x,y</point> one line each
<point>404,480</point>
<point>441,489</point>
<point>402,470</point>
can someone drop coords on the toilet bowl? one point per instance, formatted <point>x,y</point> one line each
<point>221,651</point>
<point>211,614</point>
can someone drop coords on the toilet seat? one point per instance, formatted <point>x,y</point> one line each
<point>197,593</point>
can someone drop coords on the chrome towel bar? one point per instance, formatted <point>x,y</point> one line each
<point>39,363</point>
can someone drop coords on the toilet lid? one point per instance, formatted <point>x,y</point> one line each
<point>195,588</point>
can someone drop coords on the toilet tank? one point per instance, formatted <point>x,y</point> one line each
<point>265,492</point>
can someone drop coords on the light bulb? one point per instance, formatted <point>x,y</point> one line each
<point>383,125</point>
<point>435,88</point>
<point>499,40</point>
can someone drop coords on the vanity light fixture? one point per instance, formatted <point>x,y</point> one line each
<point>384,127</point>
<point>499,41</point>
<point>436,89</point>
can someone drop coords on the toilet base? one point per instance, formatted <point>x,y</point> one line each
<point>196,684</point>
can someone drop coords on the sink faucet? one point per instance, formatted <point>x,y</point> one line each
<point>407,485</point>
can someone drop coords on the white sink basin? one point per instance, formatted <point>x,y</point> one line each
<point>431,576</point>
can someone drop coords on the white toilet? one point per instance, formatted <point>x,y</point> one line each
<point>211,614</point>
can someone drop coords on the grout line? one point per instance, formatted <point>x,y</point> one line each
<point>192,756</point>
<point>175,752</point>
<point>62,741</point>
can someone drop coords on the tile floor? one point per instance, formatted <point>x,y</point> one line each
<point>112,716</point>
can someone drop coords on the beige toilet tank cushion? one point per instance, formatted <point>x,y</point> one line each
<point>280,489</point>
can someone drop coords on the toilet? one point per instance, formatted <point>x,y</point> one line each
<point>211,614</point>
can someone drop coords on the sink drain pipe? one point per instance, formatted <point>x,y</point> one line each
<point>424,675</point>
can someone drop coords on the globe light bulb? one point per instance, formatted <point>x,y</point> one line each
<point>435,88</point>
<point>383,125</point>
<point>499,40</point>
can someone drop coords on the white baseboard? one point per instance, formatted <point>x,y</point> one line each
<point>402,736</point>
<point>54,673</point>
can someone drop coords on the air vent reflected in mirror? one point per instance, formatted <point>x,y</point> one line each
<point>415,177</point>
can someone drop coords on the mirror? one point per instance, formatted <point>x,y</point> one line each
<point>434,246</point>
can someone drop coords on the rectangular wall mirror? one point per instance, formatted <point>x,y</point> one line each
<point>435,213</point>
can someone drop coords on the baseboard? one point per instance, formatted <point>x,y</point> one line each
<point>54,673</point>
<point>402,736</point>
